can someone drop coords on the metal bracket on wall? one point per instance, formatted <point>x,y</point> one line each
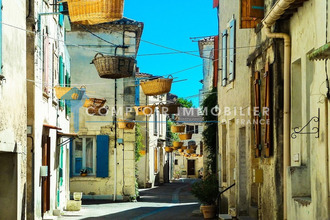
<point>314,130</point>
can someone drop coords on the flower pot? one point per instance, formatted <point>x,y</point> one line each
<point>83,174</point>
<point>209,211</point>
<point>185,136</point>
<point>177,144</point>
<point>178,128</point>
<point>77,195</point>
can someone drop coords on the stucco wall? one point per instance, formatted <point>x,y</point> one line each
<point>311,201</point>
<point>13,111</point>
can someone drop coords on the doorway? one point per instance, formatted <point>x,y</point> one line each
<point>45,187</point>
<point>191,167</point>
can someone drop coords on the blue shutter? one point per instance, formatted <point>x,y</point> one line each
<point>61,77</point>
<point>61,17</point>
<point>224,58</point>
<point>102,156</point>
<point>137,92</point>
<point>71,158</point>
<point>232,37</point>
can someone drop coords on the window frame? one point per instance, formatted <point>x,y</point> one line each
<point>83,138</point>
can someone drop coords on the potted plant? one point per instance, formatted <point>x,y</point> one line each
<point>85,171</point>
<point>206,191</point>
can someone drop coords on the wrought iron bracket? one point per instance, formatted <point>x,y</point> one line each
<point>314,130</point>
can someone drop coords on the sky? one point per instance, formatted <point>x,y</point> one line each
<point>171,23</point>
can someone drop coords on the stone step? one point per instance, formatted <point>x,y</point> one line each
<point>245,218</point>
<point>225,217</point>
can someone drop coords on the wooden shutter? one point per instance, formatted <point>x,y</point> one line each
<point>232,38</point>
<point>224,58</point>
<point>251,13</point>
<point>102,156</point>
<point>61,77</point>
<point>46,66</point>
<point>71,158</point>
<point>257,142</point>
<point>155,160</point>
<point>267,116</point>
<point>137,92</point>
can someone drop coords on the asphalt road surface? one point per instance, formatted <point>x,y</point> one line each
<point>168,201</point>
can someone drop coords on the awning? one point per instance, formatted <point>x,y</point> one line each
<point>61,134</point>
<point>52,127</point>
<point>320,53</point>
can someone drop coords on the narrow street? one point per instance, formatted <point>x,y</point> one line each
<point>168,201</point>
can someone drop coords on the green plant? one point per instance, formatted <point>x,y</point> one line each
<point>185,102</point>
<point>206,190</point>
<point>139,142</point>
<point>210,131</point>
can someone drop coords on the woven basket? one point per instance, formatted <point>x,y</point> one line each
<point>184,147</point>
<point>200,155</point>
<point>168,149</point>
<point>113,67</point>
<point>145,110</point>
<point>190,151</point>
<point>95,11</point>
<point>185,136</point>
<point>157,86</point>
<point>194,155</point>
<point>125,124</point>
<point>177,128</point>
<point>168,108</point>
<point>180,150</point>
<point>177,144</point>
<point>94,102</point>
<point>176,147</point>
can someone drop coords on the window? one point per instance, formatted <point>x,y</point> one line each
<point>228,75</point>
<point>84,155</point>
<point>190,129</point>
<point>46,83</point>
<point>155,123</point>
<point>196,129</point>
<point>61,78</point>
<point>155,160</point>
<point>176,162</point>
<point>252,11</point>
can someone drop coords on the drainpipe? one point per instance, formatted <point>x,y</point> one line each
<point>115,148</point>
<point>275,13</point>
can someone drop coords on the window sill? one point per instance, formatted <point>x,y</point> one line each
<point>83,178</point>
<point>303,200</point>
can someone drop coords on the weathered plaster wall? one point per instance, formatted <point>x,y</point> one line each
<point>13,111</point>
<point>85,74</point>
<point>310,173</point>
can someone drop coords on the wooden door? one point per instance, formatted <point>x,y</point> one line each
<point>46,180</point>
<point>191,167</point>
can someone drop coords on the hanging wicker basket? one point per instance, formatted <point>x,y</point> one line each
<point>157,86</point>
<point>200,155</point>
<point>168,108</point>
<point>194,155</point>
<point>94,102</point>
<point>113,67</point>
<point>190,151</point>
<point>145,110</point>
<point>185,136</point>
<point>177,128</point>
<point>177,144</point>
<point>176,147</point>
<point>122,124</point>
<point>95,11</point>
<point>180,150</point>
<point>168,149</point>
<point>184,147</point>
